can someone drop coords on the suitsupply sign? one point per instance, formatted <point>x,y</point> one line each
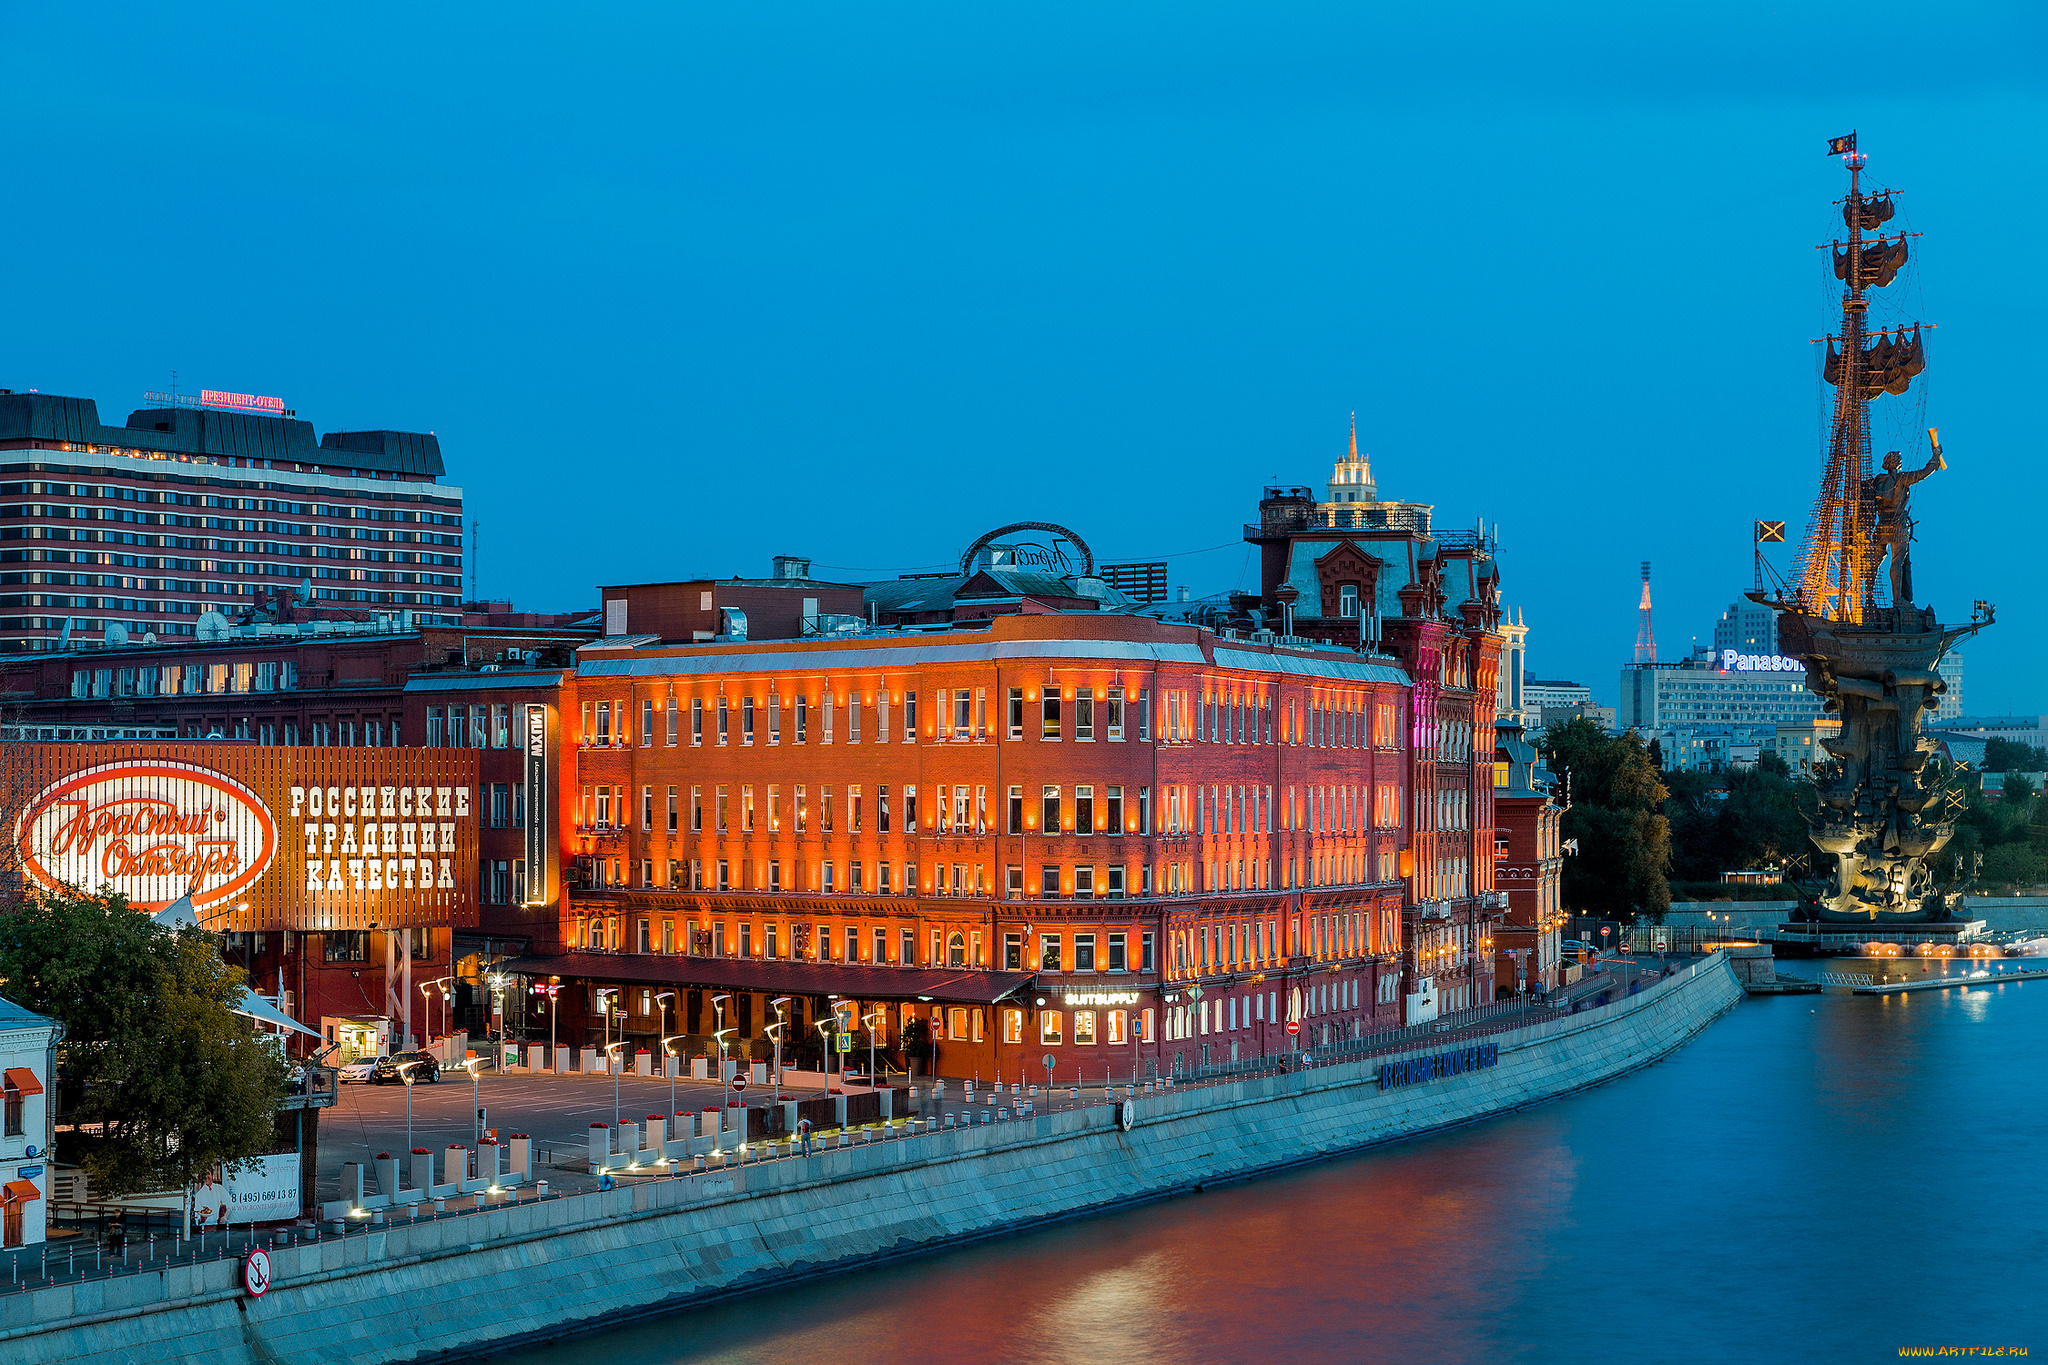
<point>261,837</point>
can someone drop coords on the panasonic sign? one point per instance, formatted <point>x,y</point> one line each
<point>1731,662</point>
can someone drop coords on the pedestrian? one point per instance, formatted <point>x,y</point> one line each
<point>803,1134</point>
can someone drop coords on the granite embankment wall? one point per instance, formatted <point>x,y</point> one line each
<point>464,1286</point>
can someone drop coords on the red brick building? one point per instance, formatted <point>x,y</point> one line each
<point>1036,835</point>
<point>1374,575</point>
<point>1530,869</point>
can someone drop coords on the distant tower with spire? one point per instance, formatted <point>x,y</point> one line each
<point>1351,479</point>
<point>1646,638</point>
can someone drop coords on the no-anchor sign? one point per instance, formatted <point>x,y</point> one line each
<point>256,1272</point>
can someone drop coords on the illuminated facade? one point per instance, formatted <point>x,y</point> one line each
<point>137,531</point>
<point>339,876</point>
<point>1529,869</point>
<point>1372,575</point>
<point>1092,836</point>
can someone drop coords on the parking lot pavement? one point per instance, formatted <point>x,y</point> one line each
<point>368,1119</point>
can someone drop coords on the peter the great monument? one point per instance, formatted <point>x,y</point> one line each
<point>1870,653</point>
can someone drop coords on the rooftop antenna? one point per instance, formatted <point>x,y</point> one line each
<point>1646,638</point>
<point>475,540</point>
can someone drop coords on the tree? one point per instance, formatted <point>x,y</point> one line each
<point>2014,865</point>
<point>2011,756</point>
<point>1735,821</point>
<point>2017,788</point>
<point>1617,817</point>
<point>1770,763</point>
<point>175,1082</point>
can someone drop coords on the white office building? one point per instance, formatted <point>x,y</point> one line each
<point>28,1051</point>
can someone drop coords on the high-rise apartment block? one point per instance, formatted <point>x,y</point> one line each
<point>130,532</point>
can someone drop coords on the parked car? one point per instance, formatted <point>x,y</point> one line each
<point>357,1070</point>
<point>427,1072</point>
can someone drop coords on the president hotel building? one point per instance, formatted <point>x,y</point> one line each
<point>110,534</point>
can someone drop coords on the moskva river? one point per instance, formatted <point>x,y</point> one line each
<point>1816,1178</point>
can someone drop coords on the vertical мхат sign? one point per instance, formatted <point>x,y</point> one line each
<point>266,837</point>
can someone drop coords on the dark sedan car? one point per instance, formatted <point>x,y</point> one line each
<point>427,1072</point>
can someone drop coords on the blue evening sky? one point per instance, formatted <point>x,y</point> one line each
<point>681,287</point>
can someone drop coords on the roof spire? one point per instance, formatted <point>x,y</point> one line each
<point>1351,480</point>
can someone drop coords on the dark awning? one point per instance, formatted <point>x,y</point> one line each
<point>956,985</point>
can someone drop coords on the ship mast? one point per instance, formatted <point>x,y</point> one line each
<point>1834,570</point>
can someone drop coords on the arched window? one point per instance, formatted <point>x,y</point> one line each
<point>956,951</point>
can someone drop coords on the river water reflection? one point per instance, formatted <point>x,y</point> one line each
<point>1816,1178</point>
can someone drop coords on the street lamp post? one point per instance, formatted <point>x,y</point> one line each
<point>668,1050</point>
<point>476,1127</point>
<point>497,983</point>
<point>614,1058</point>
<point>550,989</point>
<point>724,1081</point>
<point>405,1074</point>
<point>604,1004</point>
<point>871,1020</point>
<point>825,1037</point>
<point>666,995</point>
<point>781,1004</point>
<point>427,990</point>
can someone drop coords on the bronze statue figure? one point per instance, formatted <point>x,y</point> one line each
<point>1890,494</point>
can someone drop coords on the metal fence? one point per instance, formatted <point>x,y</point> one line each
<point>153,1245</point>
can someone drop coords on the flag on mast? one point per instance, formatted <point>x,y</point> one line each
<point>1770,531</point>
<point>1841,146</point>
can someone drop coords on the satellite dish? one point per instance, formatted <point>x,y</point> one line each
<point>149,638</point>
<point>305,591</point>
<point>64,636</point>
<point>117,635</point>
<point>213,626</point>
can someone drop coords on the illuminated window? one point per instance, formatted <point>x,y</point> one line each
<point>1084,1028</point>
<point>1049,714</point>
<point>1048,1027</point>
